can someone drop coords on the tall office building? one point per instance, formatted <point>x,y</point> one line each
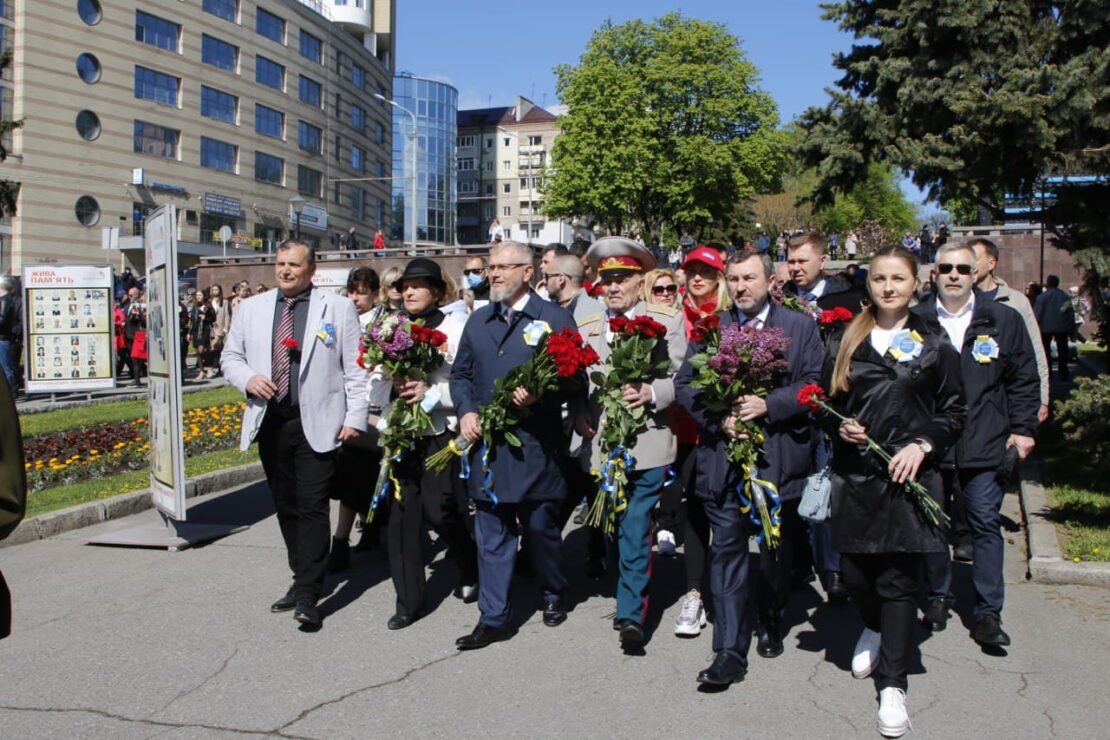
<point>435,107</point>
<point>225,108</point>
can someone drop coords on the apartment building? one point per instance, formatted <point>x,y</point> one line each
<point>228,109</point>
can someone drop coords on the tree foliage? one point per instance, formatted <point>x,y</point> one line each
<point>666,127</point>
<point>9,189</point>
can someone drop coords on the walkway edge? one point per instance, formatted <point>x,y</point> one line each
<point>94,512</point>
<point>1047,563</point>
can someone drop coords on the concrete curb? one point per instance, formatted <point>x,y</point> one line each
<point>1046,562</point>
<point>117,507</point>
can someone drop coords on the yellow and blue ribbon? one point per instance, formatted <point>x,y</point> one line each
<point>755,493</point>
<point>487,474</point>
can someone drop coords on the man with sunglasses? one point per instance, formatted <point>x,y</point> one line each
<point>477,280</point>
<point>1001,388</point>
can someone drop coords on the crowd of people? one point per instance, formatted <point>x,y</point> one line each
<point>928,401</point>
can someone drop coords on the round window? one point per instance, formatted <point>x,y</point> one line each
<point>89,10</point>
<point>87,210</point>
<point>88,125</point>
<point>88,67</point>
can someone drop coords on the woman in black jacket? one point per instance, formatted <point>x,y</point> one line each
<point>898,383</point>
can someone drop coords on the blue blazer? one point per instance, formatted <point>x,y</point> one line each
<point>488,350</point>
<point>788,450</point>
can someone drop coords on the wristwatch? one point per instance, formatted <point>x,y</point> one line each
<point>925,445</point>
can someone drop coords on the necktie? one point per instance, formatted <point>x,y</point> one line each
<point>508,314</point>
<point>809,297</point>
<point>281,359</point>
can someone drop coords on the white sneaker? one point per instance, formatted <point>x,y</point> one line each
<point>691,618</point>
<point>665,541</point>
<point>866,655</point>
<point>893,720</point>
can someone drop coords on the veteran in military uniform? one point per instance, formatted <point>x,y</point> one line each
<point>620,264</point>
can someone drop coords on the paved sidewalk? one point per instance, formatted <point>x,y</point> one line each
<point>136,644</point>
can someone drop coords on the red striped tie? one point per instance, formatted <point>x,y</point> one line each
<point>281,359</point>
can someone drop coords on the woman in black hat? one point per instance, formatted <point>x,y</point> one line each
<point>437,498</point>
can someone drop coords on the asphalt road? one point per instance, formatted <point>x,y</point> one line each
<point>134,644</point>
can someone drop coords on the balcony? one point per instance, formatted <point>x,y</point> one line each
<point>533,149</point>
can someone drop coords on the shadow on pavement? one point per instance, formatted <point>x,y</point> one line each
<point>245,507</point>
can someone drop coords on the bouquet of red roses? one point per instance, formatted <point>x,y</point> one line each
<point>631,360</point>
<point>558,359</point>
<point>401,348</point>
<point>740,361</point>
<point>813,396</point>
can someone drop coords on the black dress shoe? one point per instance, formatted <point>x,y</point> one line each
<point>553,613</point>
<point>632,634</point>
<point>307,613</point>
<point>769,644</point>
<point>285,603</point>
<point>482,636</point>
<point>467,593</point>
<point>724,670</point>
<point>340,557</point>
<point>936,615</point>
<point>836,593</point>
<point>989,633</point>
<point>400,621</point>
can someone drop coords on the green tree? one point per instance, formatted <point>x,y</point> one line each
<point>666,127</point>
<point>9,189</point>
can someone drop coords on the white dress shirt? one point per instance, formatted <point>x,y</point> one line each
<point>955,324</point>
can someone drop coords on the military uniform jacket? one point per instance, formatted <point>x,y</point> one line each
<point>488,350</point>
<point>656,445</point>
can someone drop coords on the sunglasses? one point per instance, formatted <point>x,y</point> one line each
<point>946,268</point>
<point>661,289</point>
<point>472,272</point>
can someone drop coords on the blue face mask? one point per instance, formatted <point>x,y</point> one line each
<point>475,281</point>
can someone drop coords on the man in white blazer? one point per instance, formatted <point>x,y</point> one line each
<point>294,353</point>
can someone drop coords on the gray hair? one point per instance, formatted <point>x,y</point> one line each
<point>956,247</point>
<point>520,252</point>
<point>290,243</point>
<point>743,255</point>
<point>570,266</point>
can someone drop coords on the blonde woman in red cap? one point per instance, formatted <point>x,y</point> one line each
<point>706,291</point>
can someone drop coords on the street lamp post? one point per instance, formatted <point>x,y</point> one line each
<point>297,204</point>
<point>415,135</point>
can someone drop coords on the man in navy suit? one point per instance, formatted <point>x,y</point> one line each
<point>785,462</point>
<point>527,486</point>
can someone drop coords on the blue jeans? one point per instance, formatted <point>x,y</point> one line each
<point>9,362</point>
<point>634,543</point>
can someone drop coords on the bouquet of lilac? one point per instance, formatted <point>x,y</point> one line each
<point>735,362</point>
<point>793,302</point>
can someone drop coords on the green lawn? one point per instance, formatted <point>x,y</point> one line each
<point>61,497</point>
<point>1079,497</point>
<point>46,422</point>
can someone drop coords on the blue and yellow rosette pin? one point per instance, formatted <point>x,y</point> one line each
<point>984,349</point>
<point>535,331</point>
<point>906,345</point>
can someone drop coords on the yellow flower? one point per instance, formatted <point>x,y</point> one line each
<point>1075,559</point>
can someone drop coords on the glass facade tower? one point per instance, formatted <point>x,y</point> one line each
<point>435,105</point>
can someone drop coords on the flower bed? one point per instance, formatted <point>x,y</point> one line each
<point>106,449</point>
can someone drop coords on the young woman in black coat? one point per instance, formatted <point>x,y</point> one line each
<point>899,384</point>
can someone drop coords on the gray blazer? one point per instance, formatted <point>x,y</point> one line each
<point>656,446</point>
<point>332,390</point>
<point>1016,300</point>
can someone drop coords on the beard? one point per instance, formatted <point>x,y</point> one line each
<point>506,289</point>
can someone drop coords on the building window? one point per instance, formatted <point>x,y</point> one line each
<point>270,74</point>
<point>89,10</point>
<point>506,210</point>
<point>358,158</point>
<point>87,210</point>
<point>268,168</point>
<point>379,133</point>
<point>269,122</point>
<point>358,203</point>
<point>88,125</point>
<point>311,47</point>
<point>226,9</point>
<point>466,164</point>
<point>88,68</point>
<point>535,140</point>
<point>309,181</point>
<point>379,168</point>
<point>219,53</point>
<point>506,165</point>
<point>338,147</point>
<point>218,155</point>
<point>310,91</point>
<point>157,141</point>
<point>464,142</point>
<point>358,76</point>
<point>157,86</point>
<point>211,223</point>
<point>489,188</point>
<point>489,142</point>
<point>489,166</point>
<point>358,118</point>
<point>507,187</point>
<point>151,29</point>
<point>269,25</point>
<point>219,105</point>
<point>379,212</point>
<point>468,187</point>
<point>336,197</point>
<point>506,141</point>
<point>309,137</point>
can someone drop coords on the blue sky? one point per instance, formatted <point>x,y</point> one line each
<point>491,52</point>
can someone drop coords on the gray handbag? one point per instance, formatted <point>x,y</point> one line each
<point>814,505</point>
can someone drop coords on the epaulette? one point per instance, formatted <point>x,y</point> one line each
<point>599,316</point>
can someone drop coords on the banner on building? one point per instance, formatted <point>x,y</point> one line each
<point>69,328</point>
<point>167,447</point>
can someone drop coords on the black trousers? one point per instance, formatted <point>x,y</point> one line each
<point>299,479</point>
<point>884,588</point>
<point>774,569</point>
<point>435,498</point>
<point>695,534</point>
<point>1061,351</point>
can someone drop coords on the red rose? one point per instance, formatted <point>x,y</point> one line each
<point>811,395</point>
<point>837,315</point>
<point>618,324</point>
<point>648,327</point>
<point>290,344</point>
